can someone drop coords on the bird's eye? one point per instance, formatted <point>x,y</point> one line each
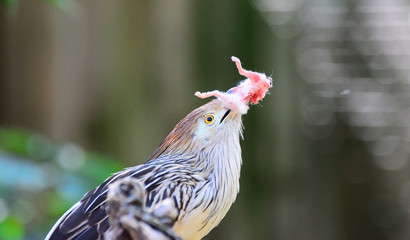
<point>209,119</point>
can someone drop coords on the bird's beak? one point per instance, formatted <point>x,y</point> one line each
<point>225,115</point>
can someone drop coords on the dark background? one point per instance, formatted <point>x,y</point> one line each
<point>90,87</point>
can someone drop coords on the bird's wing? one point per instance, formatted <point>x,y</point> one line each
<point>88,220</point>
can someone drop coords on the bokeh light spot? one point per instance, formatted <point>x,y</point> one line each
<point>71,157</point>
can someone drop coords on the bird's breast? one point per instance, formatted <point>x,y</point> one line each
<point>214,196</point>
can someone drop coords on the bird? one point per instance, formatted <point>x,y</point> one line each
<point>197,166</point>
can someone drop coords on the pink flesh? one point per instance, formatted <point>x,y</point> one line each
<point>253,89</point>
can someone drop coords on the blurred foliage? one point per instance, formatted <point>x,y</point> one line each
<point>14,2</point>
<point>41,179</point>
<point>9,2</point>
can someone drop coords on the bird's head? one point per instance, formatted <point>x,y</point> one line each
<point>204,127</point>
<point>217,122</point>
<point>214,121</point>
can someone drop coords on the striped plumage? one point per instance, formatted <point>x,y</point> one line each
<point>197,166</point>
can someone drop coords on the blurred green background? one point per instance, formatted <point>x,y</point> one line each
<point>90,87</point>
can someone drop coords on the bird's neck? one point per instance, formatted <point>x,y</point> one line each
<point>223,159</point>
<point>227,165</point>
